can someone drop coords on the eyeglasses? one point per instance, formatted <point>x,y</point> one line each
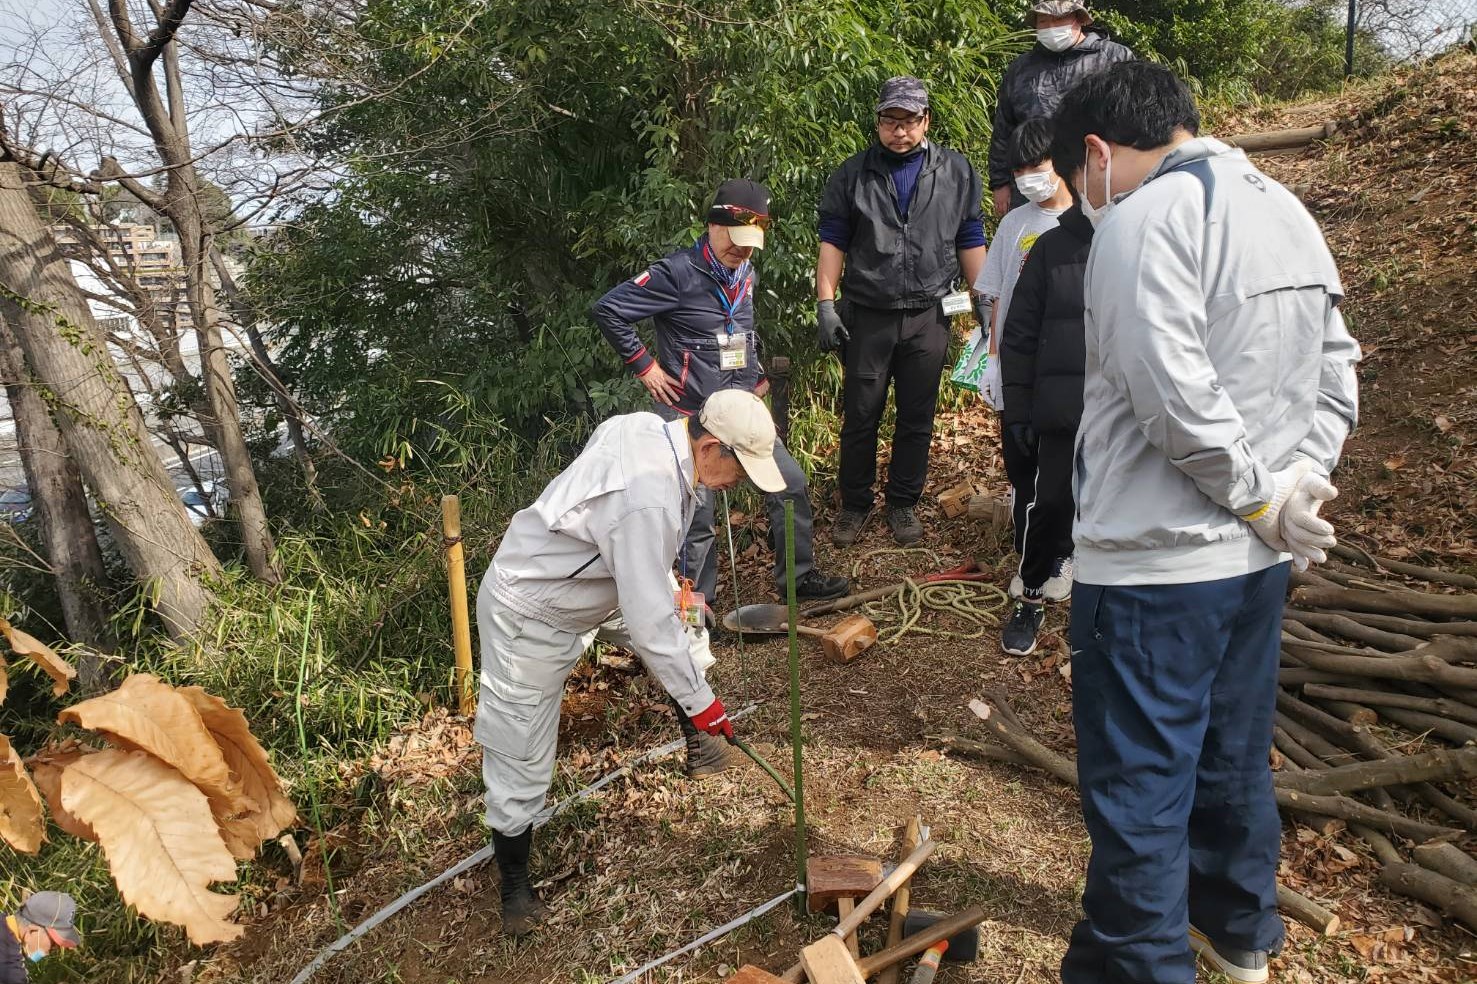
<point>738,215</point>
<point>900,123</point>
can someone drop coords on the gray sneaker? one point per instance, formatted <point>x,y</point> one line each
<point>1242,966</point>
<point>905,525</point>
<point>848,526</point>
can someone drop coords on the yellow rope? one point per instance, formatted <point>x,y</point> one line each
<point>974,602</point>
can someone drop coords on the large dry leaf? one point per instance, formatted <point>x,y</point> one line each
<point>46,769</point>
<point>61,672</point>
<point>159,837</point>
<point>271,811</point>
<point>21,824</point>
<point>146,713</point>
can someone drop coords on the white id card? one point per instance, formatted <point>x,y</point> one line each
<point>733,350</point>
<point>956,303</point>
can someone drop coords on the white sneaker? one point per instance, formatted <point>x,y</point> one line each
<point>1242,966</point>
<point>1059,586</point>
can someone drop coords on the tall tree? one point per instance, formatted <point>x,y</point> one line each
<point>95,412</point>
<point>68,537</point>
<point>143,61</point>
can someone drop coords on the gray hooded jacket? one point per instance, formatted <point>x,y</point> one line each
<point>1216,354</point>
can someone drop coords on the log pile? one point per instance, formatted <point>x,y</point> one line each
<point>1376,724</point>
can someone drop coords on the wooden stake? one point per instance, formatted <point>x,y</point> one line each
<point>901,900</point>
<point>456,584</point>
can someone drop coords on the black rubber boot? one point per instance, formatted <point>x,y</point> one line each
<point>522,910</point>
<point>707,755</point>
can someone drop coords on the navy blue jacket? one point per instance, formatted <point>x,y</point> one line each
<point>12,961</point>
<point>686,304</point>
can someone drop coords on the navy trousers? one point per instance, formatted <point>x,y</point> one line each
<point>1174,690</point>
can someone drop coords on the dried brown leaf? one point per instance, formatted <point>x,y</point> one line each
<point>61,672</point>
<point>21,824</point>
<point>4,680</point>
<point>159,837</point>
<point>146,713</point>
<point>46,769</point>
<point>271,812</point>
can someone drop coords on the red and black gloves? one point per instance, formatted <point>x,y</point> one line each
<point>714,720</point>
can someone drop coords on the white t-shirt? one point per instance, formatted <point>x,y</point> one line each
<point>1017,233</point>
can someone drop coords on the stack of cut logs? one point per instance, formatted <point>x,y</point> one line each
<point>1376,724</point>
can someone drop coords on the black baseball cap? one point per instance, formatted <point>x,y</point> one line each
<point>743,206</point>
<point>903,92</point>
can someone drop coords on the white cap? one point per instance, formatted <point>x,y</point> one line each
<point>741,421</point>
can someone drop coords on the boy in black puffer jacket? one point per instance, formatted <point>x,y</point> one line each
<point>1041,364</point>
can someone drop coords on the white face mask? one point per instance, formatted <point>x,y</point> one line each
<point>1037,186</point>
<point>1097,213</point>
<point>1057,38</point>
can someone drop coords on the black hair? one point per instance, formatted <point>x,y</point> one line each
<point>1136,104</point>
<point>1030,144</point>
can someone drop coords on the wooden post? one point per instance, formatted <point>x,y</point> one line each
<point>456,584</point>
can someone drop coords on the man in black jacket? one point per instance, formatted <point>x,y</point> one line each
<point>1041,367</point>
<point>903,219</point>
<point>1068,49</point>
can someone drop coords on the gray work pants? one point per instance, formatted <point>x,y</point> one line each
<point>698,558</point>
<point>525,663</point>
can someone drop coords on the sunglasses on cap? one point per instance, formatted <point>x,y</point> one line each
<point>737,215</point>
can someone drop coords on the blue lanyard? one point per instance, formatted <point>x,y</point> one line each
<point>686,492</point>
<point>730,306</point>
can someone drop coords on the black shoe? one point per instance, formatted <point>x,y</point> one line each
<point>848,526</point>
<point>816,586</point>
<point>707,755</point>
<point>1019,635</point>
<point>522,910</point>
<point>905,525</point>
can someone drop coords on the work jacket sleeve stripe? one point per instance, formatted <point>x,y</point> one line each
<point>646,295</point>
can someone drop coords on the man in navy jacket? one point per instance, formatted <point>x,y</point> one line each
<point>701,302</point>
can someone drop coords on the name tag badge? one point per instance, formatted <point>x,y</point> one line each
<point>689,607</point>
<point>956,303</point>
<point>733,350</point>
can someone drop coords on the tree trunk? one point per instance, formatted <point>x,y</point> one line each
<point>97,416</point>
<point>67,533</point>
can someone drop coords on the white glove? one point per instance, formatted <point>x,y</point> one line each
<point>1266,522</point>
<point>990,386</point>
<point>1308,536</point>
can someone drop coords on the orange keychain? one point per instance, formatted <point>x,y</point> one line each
<point>689,605</point>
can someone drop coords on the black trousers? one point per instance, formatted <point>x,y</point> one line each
<point>1043,503</point>
<point>906,349</point>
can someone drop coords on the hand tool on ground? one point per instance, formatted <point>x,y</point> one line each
<point>759,760</point>
<point>842,880</point>
<point>841,643</point>
<point>912,834</point>
<point>964,946</point>
<point>928,966</point>
<point>823,952</point>
<point>970,570</point>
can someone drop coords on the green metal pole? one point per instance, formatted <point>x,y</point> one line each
<point>796,742</point>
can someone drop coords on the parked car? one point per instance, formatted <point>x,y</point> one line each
<point>16,505</point>
<point>200,505</point>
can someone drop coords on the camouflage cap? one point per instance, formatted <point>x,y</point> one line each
<point>903,92</point>
<point>1056,8</point>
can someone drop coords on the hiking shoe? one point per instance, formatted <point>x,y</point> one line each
<point>1019,635</point>
<point>816,586</point>
<point>1243,966</point>
<point>905,525</point>
<point>1059,585</point>
<point>848,526</point>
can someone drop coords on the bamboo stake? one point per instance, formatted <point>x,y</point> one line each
<point>456,584</point>
<point>796,741</point>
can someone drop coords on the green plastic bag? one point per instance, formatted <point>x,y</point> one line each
<point>972,362</point>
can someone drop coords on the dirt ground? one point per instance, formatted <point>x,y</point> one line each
<point>654,861</point>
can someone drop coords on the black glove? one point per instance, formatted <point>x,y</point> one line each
<point>830,333</point>
<point>981,310</point>
<point>1024,436</point>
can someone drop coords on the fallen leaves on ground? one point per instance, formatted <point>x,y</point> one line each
<point>61,672</point>
<point>21,824</point>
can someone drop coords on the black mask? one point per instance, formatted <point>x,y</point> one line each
<point>893,157</point>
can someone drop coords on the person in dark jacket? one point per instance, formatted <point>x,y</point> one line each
<point>903,219</point>
<point>1069,47</point>
<point>1041,366</point>
<point>701,301</point>
<point>43,922</point>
